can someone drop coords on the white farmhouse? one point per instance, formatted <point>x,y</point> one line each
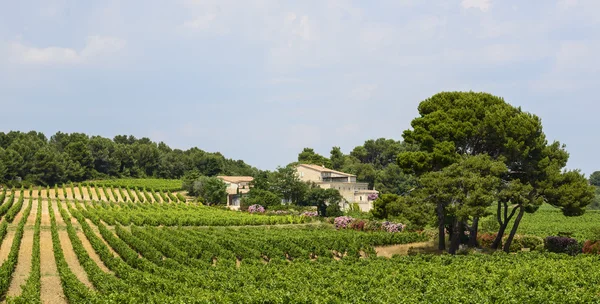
<point>351,191</point>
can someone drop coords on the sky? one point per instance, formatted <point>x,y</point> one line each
<point>260,80</point>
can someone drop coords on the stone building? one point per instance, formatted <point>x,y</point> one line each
<point>351,190</point>
<point>237,186</point>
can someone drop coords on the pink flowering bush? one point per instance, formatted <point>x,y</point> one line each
<point>310,213</point>
<point>372,196</point>
<point>392,227</point>
<point>342,221</point>
<point>256,209</point>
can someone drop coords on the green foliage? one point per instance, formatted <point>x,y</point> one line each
<point>309,156</point>
<point>180,214</point>
<point>323,199</point>
<point>31,158</point>
<point>261,197</point>
<point>212,190</point>
<point>333,210</point>
<point>595,179</point>
<point>453,125</point>
<point>286,183</point>
<point>409,210</point>
<point>153,183</point>
<point>549,220</point>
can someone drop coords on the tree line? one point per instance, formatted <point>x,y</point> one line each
<point>32,158</point>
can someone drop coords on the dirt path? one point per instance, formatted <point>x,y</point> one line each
<point>92,194</point>
<point>52,193</point>
<point>117,194</point>
<point>77,193</point>
<point>67,247</point>
<point>68,193</point>
<point>127,196</point>
<point>60,194</point>
<point>97,232</point>
<point>6,244</point>
<point>134,197</point>
<point>51,289</point>
<point>23,267</point>
<point>87,245</point>
<point>402,249</point>
<point>111,196</point>
<point>86,195</point>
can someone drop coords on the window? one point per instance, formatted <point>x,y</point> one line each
<point>361,198</point>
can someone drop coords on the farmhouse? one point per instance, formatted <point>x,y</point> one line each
<point>237,186</point>
<point>351,191</point>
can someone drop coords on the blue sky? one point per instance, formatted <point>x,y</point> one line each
<point>260,80</point>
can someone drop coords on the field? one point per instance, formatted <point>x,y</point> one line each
<point>84,244</point>
<point>146,183</point>
<point>549,221</point>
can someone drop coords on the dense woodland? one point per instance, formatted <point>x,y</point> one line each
<point>32,158</point>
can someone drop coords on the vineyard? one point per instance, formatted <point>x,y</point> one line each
<point>87,244</point>
<point>147,183</point>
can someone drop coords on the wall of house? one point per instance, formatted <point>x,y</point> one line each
<point>347,190</point>
<point>231,188</point>
<point>308,175</point>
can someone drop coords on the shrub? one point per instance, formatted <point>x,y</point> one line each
<point>342,221</point>
<point>591,247</point>
<point>358,225</point>
<point>333,210</point>
<point>561,244</point>
<point>515,245</point>
<point>489,224</point>
<point>310,213</point>
<point>486,239</point>
<point>372,226</point>
<point>392,227</point>
<point>256,209</point>
<point>280,212</point>
<point>530,241</point>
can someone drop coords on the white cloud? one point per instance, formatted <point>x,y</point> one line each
<point>483,5</point>
<point>95,47</point>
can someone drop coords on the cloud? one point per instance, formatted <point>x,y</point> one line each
<point>96,46</point>
<point>483,5</point>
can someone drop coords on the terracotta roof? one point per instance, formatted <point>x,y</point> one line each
<point>323,169</point>
<point>237,179</point>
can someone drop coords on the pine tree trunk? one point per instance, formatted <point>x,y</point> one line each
<point>473,233</point>
<point>498,241</point>
<point>513,231</point>
<point>503,225</point>
<point>441,228</point>
<point>455,239</point>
